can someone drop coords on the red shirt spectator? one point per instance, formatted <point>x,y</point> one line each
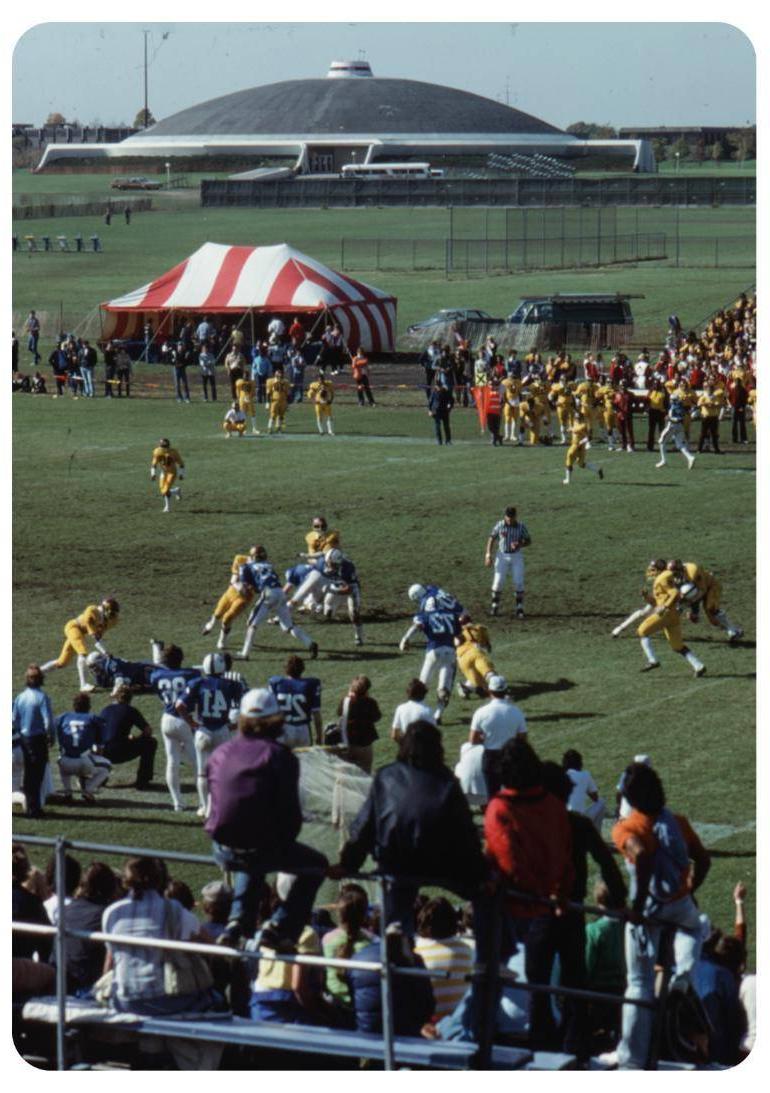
<point>297,332</point>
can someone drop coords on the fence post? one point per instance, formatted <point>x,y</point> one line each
<point>563,232</point>
<point>716,254</point>
<point>487,991</point>
<point>386,981</point>
<point>376,254</point>
<point>60,948</point>
<point>342,252</point>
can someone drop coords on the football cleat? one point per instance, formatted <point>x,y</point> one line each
<point>313,650</point>
<point>207,628</point>
<point>87,688</point>
<point>698,672</point>
<point>734,635</point>
<point>519,612</point>
<point>650,665</point>
<point>601,474</point>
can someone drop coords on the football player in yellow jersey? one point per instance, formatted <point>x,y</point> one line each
<point>92,622</point>
<point>605,394</point>
<point>753,405</point>
<point>278,390</point>
<point>511,388</point>
<point>321,394</point>
<point>528,413</point>
<point>586,392</point>
<point>690,401</point>
<point>473,659</point>
<point>666,617</point>
<point>560,396</point>
<point>576,453</point>
<point>656,566</point>
<point>246,394</point>
<point>320,539</point>
<point>707,590</point>
<point>233,600</point>
<point>169,462</point>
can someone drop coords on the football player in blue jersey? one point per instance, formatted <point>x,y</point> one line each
<point>112,672</point>
<point>440,628</point>
<point>300,702</point>
<point>169,681</point>
<point>429,597</point>
<point>342,586</point>
<point>293,578</point>
<point>270,598</point>
<point>79,734</point>
<point>210,706</point>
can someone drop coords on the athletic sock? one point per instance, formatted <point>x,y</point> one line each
<point>647,650</point>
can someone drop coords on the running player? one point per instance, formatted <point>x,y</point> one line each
<point>429,597</point>
<point>674,430</point>
<point>440,629</point>
<point>170,681</point>
<point>665,616</point>
<point>210,707</point>
<point>320,539</point>
<point>260,575</point>
<point>94,620</point>
<point>576,453</point>
<point>656,566</point>
<point>79,734</point>
<point>233,600</point>
<point>561,397</point>
<point>300,702</point>
<point>170,463</point>
<point>511,537</point>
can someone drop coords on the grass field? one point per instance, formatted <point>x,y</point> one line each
<point>91,525</point>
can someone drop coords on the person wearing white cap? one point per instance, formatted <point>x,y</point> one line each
<point>254,822</point>
<point>494,723</point>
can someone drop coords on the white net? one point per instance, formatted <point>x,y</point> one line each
<point>331,791</point>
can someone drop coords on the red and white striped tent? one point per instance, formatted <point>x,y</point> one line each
<point>220,279</point>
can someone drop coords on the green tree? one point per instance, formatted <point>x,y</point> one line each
<point>144,119</point>
<point>55,119</point>
<point>580,129</point>
<point>716,151</point>
<point>603,132</point>
<point>742,144</point>
<point>679,147</point>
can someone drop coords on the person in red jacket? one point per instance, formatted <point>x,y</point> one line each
<point>359,366</point>
<point>529,844</point>
<point>494,408</point>
<point>625,419</point>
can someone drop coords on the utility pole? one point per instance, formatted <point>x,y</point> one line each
<point>146,108</point>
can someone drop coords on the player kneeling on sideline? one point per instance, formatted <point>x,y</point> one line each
<point>209,706</point>
<point>698,586</point>
<point>576,453</point>
<point>260,575</point>
<point>440,628</point>
<point>79,734</point>
<point>342,585</point>
<point>118,745</point>
<point>666,617</point>
<point>473,660</point>
<point>235,421</point>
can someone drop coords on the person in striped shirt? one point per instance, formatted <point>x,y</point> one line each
<point>510,536</point>
<point>443,950</point>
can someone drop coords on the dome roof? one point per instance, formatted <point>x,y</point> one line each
<point>345,107</point>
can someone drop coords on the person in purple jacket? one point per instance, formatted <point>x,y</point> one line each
<point>254,822</point>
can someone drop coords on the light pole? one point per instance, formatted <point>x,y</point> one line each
<point>168,175</point>
<point>676,155</point>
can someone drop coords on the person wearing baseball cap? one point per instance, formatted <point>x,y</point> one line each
<point>494,723</point>
<point>254,822</point>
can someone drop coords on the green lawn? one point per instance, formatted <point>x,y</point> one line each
<point>88,524</point>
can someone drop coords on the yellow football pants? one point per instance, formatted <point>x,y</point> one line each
<point>475,664</point>
<point>671,625</point>
<point>74,644</point>
<point>231,604</point>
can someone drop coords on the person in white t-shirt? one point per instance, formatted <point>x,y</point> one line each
<point>414,709</point>
<point>585,793</point>
<point>492,725</point>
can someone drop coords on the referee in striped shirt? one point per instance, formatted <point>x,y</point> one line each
<point>511,536</point>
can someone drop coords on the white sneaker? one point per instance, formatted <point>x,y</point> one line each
<point>87,688</point>
<point>565,481</point>
<point>690,462</point>
<point>662,463</point>
<point>201,813</point>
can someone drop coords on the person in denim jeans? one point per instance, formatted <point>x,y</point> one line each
<point>658,847</point>
<point>254,820</point>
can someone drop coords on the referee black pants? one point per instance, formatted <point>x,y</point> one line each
<point>709,430</point>
<point>35,751</point>
<point>441,420</point>
<point>123,751</point>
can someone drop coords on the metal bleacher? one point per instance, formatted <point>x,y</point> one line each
<point>72,1017</point>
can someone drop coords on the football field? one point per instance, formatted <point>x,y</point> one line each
<point>88,524</point>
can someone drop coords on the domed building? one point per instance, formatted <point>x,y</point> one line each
<point>350,116</point>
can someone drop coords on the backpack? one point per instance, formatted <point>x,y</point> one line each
<point>685,1027</point>
<point>670,860</point>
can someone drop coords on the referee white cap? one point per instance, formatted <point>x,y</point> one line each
<point>497,685</point>
<point>259,702</point>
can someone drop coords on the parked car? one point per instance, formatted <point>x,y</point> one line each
<point>576,318</point>
<point>140,183</point>
<point>457,315</point>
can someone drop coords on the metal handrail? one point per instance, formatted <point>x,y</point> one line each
<point>489,974</point>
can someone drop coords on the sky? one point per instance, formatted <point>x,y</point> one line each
<point>657,73</point>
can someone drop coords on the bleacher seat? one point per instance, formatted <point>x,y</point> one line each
<point>63,241</point>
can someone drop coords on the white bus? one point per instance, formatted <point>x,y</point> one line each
<point>390,170</point>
